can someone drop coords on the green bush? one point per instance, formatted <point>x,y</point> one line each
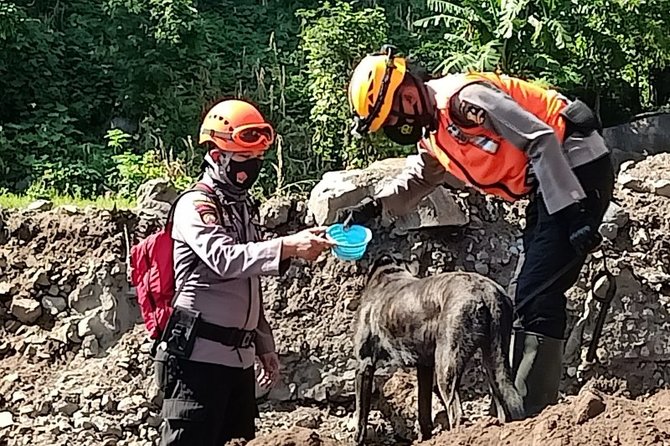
<point>70,72</point>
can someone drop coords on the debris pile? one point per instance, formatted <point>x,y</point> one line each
<point>74,356</point>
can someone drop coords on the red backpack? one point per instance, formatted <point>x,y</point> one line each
<point>152,272</point>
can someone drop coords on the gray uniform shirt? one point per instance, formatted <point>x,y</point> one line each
<point>552,162</point>
<point>225,284</point>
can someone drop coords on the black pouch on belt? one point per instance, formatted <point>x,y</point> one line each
<point>580,118</point>
<point>180,333</point>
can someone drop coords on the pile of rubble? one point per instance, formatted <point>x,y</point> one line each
<point>75,359</point>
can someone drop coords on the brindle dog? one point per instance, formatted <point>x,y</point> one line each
<point>434,324</point>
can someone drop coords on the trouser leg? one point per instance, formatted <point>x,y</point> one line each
<point>201,402</point>
<point>241,414</point>
<point>537,348</point>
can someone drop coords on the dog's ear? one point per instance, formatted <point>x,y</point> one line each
<point>382,260</point>
<point>389,261</point>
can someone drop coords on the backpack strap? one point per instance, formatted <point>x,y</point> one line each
<point>207,190</point>
<point>197,187</point>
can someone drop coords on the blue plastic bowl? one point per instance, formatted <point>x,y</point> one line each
<point>351,242</point>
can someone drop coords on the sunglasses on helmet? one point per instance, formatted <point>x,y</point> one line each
<point>246,136</point>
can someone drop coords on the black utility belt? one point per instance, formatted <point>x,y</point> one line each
<point>184,326</point>
<point>233,337</point>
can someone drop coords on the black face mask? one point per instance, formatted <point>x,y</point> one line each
<point>244,174</point>
<point>410,128</point>
<point>404,133</point>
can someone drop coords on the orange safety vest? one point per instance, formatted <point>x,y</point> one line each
<point>480,157</point>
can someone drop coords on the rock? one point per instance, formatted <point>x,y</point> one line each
<point>65,333</point>
<point>644,134</point>
<point>39,279</point>
<point>12,326</point>
<point>6,290</point>
<point>107,404</point>
<point>482,268</point>
<point>661,187</point>
<point>6,419</point>
<point>155,197</point>
<point>44,407</point>
<point>275,211</point>
<point>616,214</point>
<point>66,408</point>
<point>5,347</point>
<point>130,402</point>
<point>344,188</point>
<point>54,291</point>
<point>54,305</point>
<point>90,346</point>
<point>27,409</point>
<point>587,406</point>
<point>89,325</point>
<point>609,230</point>
<point>69,209</point>
<point>40,205</point>
<point>309,418</point>
<point>26,310</point>
<point>80,420</point>
<point>632,183</point>
<point>18,396</point>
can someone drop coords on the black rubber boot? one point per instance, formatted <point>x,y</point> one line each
<point>537,365</point>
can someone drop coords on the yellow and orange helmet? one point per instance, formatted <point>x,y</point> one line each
<point>236,126</point>
<point>373,86</point>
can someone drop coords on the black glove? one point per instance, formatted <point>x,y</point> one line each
<point>583,229</point>
<point>360,213</point>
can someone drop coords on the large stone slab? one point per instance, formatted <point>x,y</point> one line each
<point>647,133</point>
<point>344,188</point>
<point>155,197</point>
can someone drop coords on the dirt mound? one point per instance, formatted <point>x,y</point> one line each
<point>298,436</point>
<point>590,418</point>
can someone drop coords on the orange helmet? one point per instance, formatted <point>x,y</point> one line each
<point>236,126</point>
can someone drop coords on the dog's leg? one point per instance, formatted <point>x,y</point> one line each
<point>495,355</point>
<point>364,379</point>
<point>497,408</point>
<point>425,378</point>
<point>451,358</point>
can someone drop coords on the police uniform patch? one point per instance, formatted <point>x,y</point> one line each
<point>207,211</point>
<point>472,113</point>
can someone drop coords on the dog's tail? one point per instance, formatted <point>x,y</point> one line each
<point>496,359</point>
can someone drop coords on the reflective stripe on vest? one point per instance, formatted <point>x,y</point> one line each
<point>480,157</point>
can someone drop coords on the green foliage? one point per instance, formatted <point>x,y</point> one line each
<point>601,49</point>
<point>334,37</point>
<point>133,169</point>
<point>97,97</point>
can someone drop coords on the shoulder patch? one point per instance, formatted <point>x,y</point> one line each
<point>206,208</point>
<point>472,113</point>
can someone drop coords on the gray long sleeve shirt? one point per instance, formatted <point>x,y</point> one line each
<point>552,162</point>
<point>225,284</point>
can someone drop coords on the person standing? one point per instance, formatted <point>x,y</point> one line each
<point>218,327</point>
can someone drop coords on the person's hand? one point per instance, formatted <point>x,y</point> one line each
<point>584,237</point>
<point>270,371</point>
<point>307,244</point>
<point>583,230</point>
<point>359,213</point>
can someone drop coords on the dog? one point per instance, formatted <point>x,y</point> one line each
<point>435,324</point>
